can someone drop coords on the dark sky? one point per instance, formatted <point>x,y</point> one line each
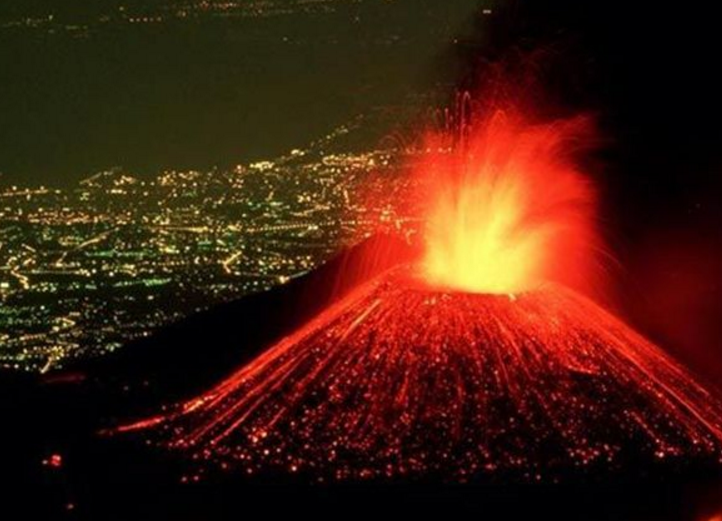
<point>205,92</point>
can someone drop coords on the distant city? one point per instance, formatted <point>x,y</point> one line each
<point>90,260</point>
<point>133,12</point>
<point>84,270</point>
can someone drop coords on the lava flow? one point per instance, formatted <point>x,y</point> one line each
<point>478,359</point>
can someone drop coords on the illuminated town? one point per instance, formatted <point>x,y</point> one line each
<point>84,270</point>
<point>92,256</point>
<point>138,14</point>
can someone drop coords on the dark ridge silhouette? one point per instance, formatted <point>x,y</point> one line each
<point>188,356</point>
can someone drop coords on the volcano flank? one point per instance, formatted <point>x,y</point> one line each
<point>402,379</point>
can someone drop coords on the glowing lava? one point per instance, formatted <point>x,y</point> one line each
<point>401,380</point>
<point>509,207</point>
<point>477,360</point>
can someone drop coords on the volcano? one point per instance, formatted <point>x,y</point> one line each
<point>481,357</point>
<point>398,379</point>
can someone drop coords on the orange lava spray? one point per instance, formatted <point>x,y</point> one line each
<point>509,208</point>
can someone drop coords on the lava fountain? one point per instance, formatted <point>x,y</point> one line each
<point>509,208</point>
<point>482,358</point>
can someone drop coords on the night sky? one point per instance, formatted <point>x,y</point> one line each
<point>203,92</point>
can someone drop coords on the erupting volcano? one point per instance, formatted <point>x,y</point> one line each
<point>482,357</point>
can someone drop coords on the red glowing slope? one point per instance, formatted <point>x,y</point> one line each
<point>400,379</point>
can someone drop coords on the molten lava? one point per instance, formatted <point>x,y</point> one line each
<point>509,208</point>
<point>399,380</point>
<point>478,359</point>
